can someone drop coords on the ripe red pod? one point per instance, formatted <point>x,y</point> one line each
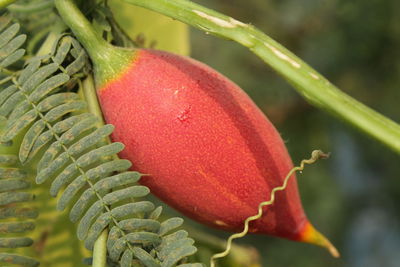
<point>208,150</point>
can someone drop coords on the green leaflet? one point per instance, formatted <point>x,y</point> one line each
<point>16,219</point>
<point>66,145</point>
<point>7,35</point>
<point>11,209</point>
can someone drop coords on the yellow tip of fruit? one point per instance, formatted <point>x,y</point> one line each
<point>310,235</point>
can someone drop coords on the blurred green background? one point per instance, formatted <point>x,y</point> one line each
<point>353,197</point>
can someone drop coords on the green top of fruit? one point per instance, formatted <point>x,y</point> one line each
<point>108,61</point>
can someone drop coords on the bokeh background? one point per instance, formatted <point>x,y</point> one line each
<point>353,197</point>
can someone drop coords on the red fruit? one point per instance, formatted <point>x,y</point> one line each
<point>208,150</point>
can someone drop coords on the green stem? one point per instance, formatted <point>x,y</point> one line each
<point>108,61</point>
<point>100,250</point>
<point>89,92</point>
<point>81,27</point>
<point>311,85</point>
<point>90,95</point>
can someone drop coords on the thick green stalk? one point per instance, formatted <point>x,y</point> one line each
<point>100,250</point>
<point>108,61</point>
<point>310,84</point>
<point>83,30</point>
<point>89,92</point>
<point>100,246</point>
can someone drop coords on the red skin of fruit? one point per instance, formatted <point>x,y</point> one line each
<point>208,149</point>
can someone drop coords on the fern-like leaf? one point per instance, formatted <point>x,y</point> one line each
<point>14,218</point>
<point>76,156</point>
<point>10,43</point>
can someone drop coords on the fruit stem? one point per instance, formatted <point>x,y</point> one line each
<point>310,84</point>
<point>108,60</point>
<point>82,28</point>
